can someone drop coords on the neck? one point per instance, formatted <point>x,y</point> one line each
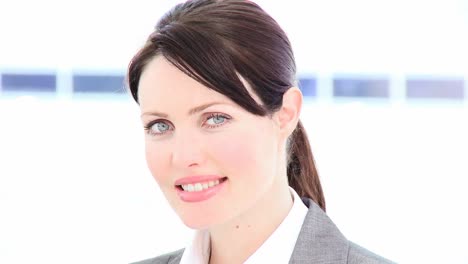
<point>236,240</point>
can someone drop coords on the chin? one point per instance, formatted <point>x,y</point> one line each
<point>199,222</point>
<point>196,226</point>
<point>200,219</point>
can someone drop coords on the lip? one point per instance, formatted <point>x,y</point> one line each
<point>198,178</point>
<point>193,197</point>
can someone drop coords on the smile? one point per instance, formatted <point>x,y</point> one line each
<point>197,187</point>
<point>200,189</point>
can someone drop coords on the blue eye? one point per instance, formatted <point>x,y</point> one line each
<point>216,120</point>
<point>157,128</point>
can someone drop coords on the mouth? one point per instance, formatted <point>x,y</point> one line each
<point>200,186</point>
<point>199,189</point>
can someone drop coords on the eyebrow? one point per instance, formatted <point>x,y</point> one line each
<point>190,112</point>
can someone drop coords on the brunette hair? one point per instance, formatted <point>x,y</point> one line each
<point>216,43</point>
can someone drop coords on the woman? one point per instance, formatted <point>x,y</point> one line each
<point>217,91</point>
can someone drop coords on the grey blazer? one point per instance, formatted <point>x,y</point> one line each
<point>319,241</point>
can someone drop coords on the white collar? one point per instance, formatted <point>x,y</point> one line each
<point>284,238</point>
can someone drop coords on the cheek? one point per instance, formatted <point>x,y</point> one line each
<point>243,154</point>
<point>229,153</point>
<point>157,160</point>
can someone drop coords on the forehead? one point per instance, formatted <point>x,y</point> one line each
<point>161,83</point>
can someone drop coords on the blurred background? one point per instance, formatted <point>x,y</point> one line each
<point>386,111</point>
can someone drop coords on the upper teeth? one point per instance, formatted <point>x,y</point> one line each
<point>199,186</point>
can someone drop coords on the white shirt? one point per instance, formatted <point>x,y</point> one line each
<point>284,238</point>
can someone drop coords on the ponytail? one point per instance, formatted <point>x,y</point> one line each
<point>302,173</point>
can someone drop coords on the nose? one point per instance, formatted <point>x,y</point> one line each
<point>188,151</point>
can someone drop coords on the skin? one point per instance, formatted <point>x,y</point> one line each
<point>248,149</point>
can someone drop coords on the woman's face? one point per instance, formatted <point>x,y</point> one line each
<point>212,159</point>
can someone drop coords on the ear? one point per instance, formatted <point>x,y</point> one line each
<point>288,115</point>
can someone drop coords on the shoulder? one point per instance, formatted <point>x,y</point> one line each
<point>169,258</point>
<point>321,240</point>
<point>358,254</point>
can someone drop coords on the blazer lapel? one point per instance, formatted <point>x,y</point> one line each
<point>176,257</point>
<point>175,260</point>
<point>319,241</point>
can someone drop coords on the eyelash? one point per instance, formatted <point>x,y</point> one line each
<point>148,126</point>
